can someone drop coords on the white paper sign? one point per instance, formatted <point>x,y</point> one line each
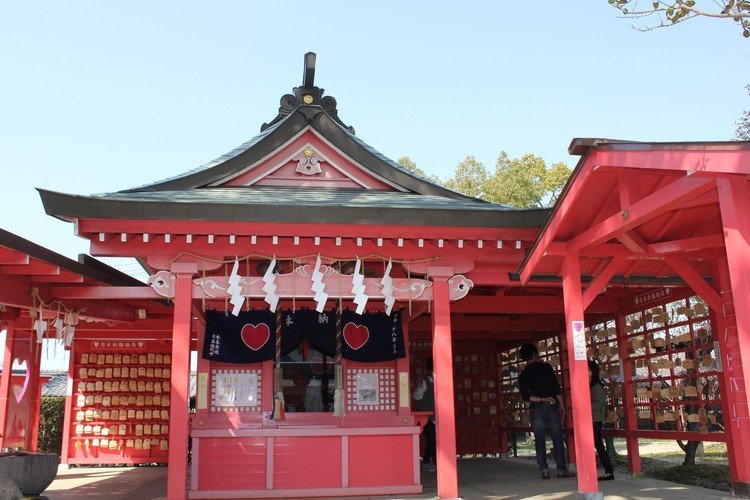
<point>367,389</point>
<point>717,353</point>
<point>236,389</point>
<point>579,340</point>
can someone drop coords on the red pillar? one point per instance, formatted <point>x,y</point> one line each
<point>442,357</point>
<point>179,396</point>
<point>35,399</point>
<point>579,376</point>
<point>402,368</point>
<point>631,424</point>
<point>724,331</point>
<point>5,380</point>
<point>65,450</point>
<point>570,443</point>
<point>734,201</point>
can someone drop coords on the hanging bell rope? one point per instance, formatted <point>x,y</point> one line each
<point>338,393</point>
<point>278,374</point>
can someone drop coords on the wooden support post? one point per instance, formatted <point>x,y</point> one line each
<point>445,418</point>
<point>570,443</point>
<point>179,396</point>
<point>402,369</point>
<point>631,424</point>
<point>734,201</point>
<point>68,417</point>
<point>35,396</point>
<point>5,380</point>
<point>588,484</point>
<point>724,331</point>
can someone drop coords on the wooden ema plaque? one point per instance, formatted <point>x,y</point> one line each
<point>120,403</point>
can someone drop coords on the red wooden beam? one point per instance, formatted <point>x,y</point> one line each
<point>105,292</point>
<point>696,282</point>
<point>286,249</point>
<point>523,304</point>
<point>244,229</point>
<point>34,267</point>
<point>148,325</point>
<point>599,283</point>
<point>687,244</point>
<point>13,258</point>
<point>650,207</point>
<point>722,159</point>
<point>109,311</point>
<point>633,242</point>
<point>63,277</point>
<point>499,325</point>
<point>15,292</point>
<point>628,187</point>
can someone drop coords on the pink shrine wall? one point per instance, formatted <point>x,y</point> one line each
<point>245,454</point>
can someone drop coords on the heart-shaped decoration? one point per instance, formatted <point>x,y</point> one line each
<point>255,336</point>
<point>18,390</point>
<point>95,343</point>
<point>578,325</point>
<point>141,344</point>
<point>356,335</point>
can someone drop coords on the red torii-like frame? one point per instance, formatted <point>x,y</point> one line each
<point>648,208</point>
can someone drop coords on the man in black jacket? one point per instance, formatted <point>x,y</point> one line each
<point>539,386</point>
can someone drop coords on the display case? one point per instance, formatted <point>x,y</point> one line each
<point>676,366</point>
<point>477,402</point>
<point>119,403</point>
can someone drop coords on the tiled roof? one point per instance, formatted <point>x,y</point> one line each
<point>56,386</point>
<point>288,204</point>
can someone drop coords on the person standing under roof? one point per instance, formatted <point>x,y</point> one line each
<point>598,415</point>
<point>424,395</point>
<point>539,386</point>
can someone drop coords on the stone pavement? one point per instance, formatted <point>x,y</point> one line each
<point>485,478</point>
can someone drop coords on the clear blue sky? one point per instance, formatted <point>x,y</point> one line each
<point>101,96</point>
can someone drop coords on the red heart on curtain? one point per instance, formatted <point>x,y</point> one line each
<point>255,336</point>
<point>356,335</point>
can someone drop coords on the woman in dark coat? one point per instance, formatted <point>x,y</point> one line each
<point>599,413</point>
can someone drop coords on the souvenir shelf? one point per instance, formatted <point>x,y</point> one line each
<point>513,409</point>
<point>477,401</point>
<point>120,407</point>
<point>676,368</point>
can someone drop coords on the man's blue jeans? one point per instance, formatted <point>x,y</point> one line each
<point>545,415</point>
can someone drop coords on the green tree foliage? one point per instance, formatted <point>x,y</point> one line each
<point>669,13</point>
<point>743,124</point>
<point>469,178</point>
<point>525,182</point>
<point>51,424</point>
<point>407,162</point>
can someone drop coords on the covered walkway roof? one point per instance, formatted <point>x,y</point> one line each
<point>633,210</point>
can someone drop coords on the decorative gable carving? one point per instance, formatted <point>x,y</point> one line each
<point>308,163</point>
<point>307,160</point>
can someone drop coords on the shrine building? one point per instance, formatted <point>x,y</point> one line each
<point>314,277</point>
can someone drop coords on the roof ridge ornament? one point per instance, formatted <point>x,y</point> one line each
<point>307,95</point>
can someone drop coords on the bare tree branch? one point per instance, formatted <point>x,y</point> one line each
<point>678,11</point>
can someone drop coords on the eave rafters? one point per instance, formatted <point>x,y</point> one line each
<point>111,237</point>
